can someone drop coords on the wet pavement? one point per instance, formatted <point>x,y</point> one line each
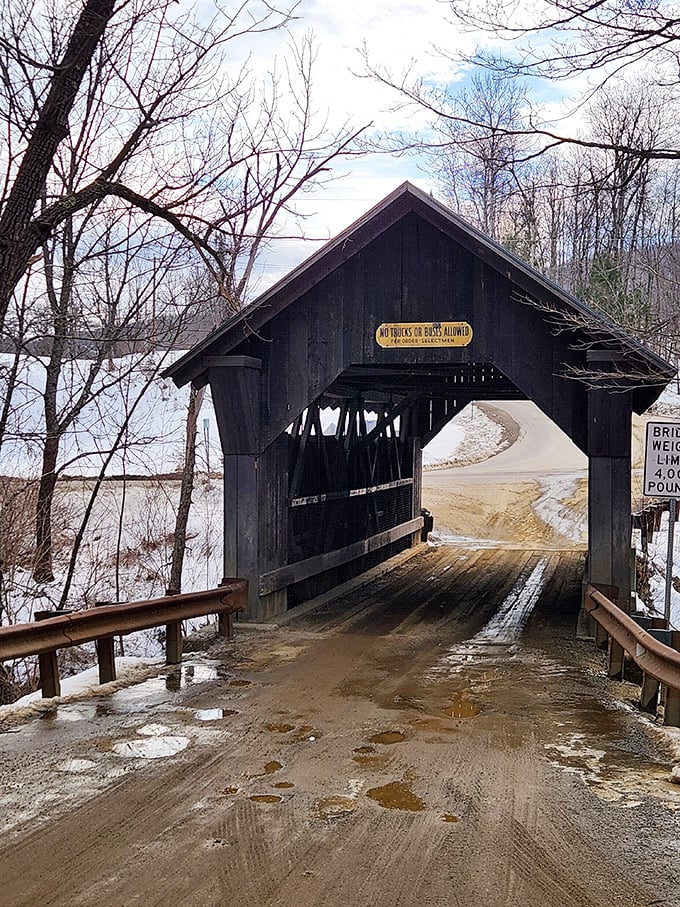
<point>436,738</point>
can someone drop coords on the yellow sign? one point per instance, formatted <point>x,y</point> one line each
<point>424,333</point>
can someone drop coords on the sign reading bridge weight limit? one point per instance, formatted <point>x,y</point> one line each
<point>414,334</point>
<point>662,460</point>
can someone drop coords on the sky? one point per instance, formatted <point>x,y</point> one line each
<point>395,33</point>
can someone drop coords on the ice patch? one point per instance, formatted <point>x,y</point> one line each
<point>151,747</point>
<point>76,766</point>
<point>447,540</point>
<point>153,730</point>
<point>508,622</point>
<point>554,508</point>
<point>209,714</point>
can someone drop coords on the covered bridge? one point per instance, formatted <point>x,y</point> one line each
<point>328,386</point>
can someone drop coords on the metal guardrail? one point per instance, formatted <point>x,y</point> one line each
<point>658,662</point>
<point>44,637</point>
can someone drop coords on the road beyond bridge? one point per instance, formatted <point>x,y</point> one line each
<point>435,737</point>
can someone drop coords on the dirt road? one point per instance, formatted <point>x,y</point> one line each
<point>435,738</point>
<point>408,744</point>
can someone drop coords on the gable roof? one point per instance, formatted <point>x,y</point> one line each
<point>654,371</point>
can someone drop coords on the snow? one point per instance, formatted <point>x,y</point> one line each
<point>512,616</point>
<point>154,441</point>
<point>657,551</point>
<point>128,670</point>
<point>470,436</point>
<point>555,507</point>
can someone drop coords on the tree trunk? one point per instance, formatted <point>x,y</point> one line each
<point>20,236</point>
<point>42,566</point>
<point>186,490</point>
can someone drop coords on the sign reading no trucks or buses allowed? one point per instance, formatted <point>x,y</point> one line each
<point>662,460</point>
<point>415,334</point>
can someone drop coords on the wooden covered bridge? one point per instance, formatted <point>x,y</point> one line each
<point>329,385</point>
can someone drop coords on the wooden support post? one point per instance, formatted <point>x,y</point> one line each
<point>173,643</point>
<point>48,666</point>
<point>601,637</point>
<point>649,693</point>
<point>631,670</point>
<point>49,674</point>
<point>106,655</point>
<point>615,663</point>
<point>225,625</point>
<point>106,658</point>
<point>609,469</point>
<point>671,715</point>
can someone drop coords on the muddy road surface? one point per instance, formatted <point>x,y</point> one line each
<point>437,737</point>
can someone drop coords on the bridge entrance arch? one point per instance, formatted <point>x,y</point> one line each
<point>328,386</point>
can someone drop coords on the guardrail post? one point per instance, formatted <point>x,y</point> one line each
<point>48,666</point>
<point>601,637</point>
<point>173,643</point>
<point>225,625</point>
<point>631,670</point>
<point>106,655</point>
<point>616,658</point>
<point>649,693</point>
<point>671,715</point>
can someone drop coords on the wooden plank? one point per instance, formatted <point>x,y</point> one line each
<point>381,265</point>
<point>599,521</point>
<point>236,393</point>
<point>293,573</point>
<point>326,336</point>
<point>241,527</point>
<point>230,522</point>
<point>348,493</point>
<point>273,505</point>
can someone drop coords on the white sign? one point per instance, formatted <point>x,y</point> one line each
<point>662,460</point>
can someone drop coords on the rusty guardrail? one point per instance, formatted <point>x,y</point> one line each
<point>44,637</point>
<point>658,662</point>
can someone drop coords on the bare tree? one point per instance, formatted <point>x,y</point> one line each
<point>147,83</point>
<point>478,164</point>
<point>208,164</point>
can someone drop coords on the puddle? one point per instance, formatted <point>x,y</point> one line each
<point>271,767</point>
<point>396,795</point>
<point>376,760</point>
<point>388,737</point>
<point>157,691</point>
<point>614,776</point>
<point>363,750</point>
<point>284,785</point>
<point>448,817</point>
<point>335,807</point>
<point>239,683</point>
<point>229,791</point>
<point>265,798</point>
<point>461,707</point>
<point>151,747</point>
<point>280,728</point>
<point>76,712</point>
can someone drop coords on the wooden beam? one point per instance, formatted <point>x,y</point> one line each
<point>294,573</point>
